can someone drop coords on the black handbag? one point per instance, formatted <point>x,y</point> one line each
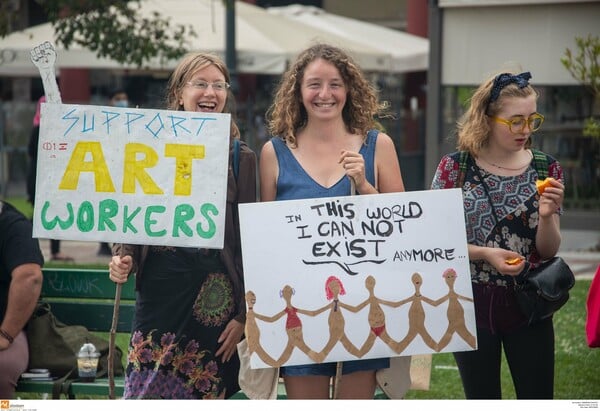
<point>544,290</point>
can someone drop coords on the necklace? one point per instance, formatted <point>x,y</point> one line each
<point>507,168</point>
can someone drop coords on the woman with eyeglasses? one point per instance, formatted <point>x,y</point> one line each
<point>506,219</point>
<point>190,303</point>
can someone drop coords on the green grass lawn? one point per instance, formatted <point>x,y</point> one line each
<point>21,204</point>
<point>577,367</point>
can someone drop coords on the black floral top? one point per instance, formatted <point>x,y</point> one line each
<point>506,218</point>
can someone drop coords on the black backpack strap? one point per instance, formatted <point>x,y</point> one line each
<point>462,168</point>
<point>236,158</point>
<point>62,385</point>
<point>540,163</point>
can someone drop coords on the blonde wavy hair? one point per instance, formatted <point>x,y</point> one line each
<point>287,114</point>
<point>473,128</point>
<point>185,70</point>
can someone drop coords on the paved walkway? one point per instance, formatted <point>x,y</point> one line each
<point>579,248</point>
<point>83,252</point>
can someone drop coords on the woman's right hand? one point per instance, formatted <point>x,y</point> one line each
<point>499,258</point>
<point>119,268</point>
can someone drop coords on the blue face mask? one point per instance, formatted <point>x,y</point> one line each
<point>121,103</point>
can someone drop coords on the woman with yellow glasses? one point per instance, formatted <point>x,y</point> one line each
<point>507,221</point>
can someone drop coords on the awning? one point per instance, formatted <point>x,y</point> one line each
<point>265,42</point>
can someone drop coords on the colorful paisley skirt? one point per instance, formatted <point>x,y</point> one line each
<point>184,303</point>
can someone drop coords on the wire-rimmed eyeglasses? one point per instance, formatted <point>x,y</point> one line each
<point>517,124</point>
<point>203,85</point>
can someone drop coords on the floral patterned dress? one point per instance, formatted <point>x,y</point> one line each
<point>183,304</point>
<point>500,212</point>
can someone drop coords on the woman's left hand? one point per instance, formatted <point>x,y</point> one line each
<point>552,198</point>
<point>354,164</point>
<point>229,339</point>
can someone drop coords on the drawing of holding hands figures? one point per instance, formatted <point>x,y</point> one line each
<point>333,289</point>
<point>416,317</point>
<point>376,318</point>
<point>293,328</point>
<point>293,325</point>
<point>456,314</point>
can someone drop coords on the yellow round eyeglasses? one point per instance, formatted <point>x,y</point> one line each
<point>517,124</point>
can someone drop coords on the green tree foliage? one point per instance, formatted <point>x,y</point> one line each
<point>112,28</point>
<point>7,12</point>
<point>585,68</point>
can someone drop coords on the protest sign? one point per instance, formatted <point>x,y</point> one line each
<point>343,278</point>
<point>128,175</point>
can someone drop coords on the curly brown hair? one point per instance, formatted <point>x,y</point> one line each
<point>287,114</point>
<point>185,70</point>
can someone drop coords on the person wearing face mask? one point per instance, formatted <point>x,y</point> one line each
<point>118,98</point>
<point>190,309</point>
<point>507,220</point>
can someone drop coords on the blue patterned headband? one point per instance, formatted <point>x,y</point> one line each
<point>504,79</point>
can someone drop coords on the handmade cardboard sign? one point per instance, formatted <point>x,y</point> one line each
<point>356,277</point>
<point>128,175</point>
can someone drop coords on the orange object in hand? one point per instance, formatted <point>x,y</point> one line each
<point>542,185</point>
<point>514,261</point>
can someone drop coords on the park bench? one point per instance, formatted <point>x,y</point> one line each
<point>84,297</point>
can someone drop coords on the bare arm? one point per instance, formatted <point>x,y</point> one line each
<point>387,169</point>
<point>23,294</point>
<point>547,239</point>
<point>269,169</point>
<point>388,177</point>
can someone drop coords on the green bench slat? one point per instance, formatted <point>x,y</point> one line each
<point>84,297</point>
<point>88,283</point>
<point>97,388</point>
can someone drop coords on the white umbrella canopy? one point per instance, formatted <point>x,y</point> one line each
<point>408,52</point>
<point>265,42</point>
<point>15,57</point>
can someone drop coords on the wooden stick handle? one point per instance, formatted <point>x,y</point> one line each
<point>111,343</point>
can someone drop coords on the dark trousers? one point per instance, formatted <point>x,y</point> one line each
<point>54,246</point>
<point>529,353</point>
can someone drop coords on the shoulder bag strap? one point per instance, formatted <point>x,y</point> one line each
<point>540,163</point>
<point>462,168</point>
<point>236,158</point>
